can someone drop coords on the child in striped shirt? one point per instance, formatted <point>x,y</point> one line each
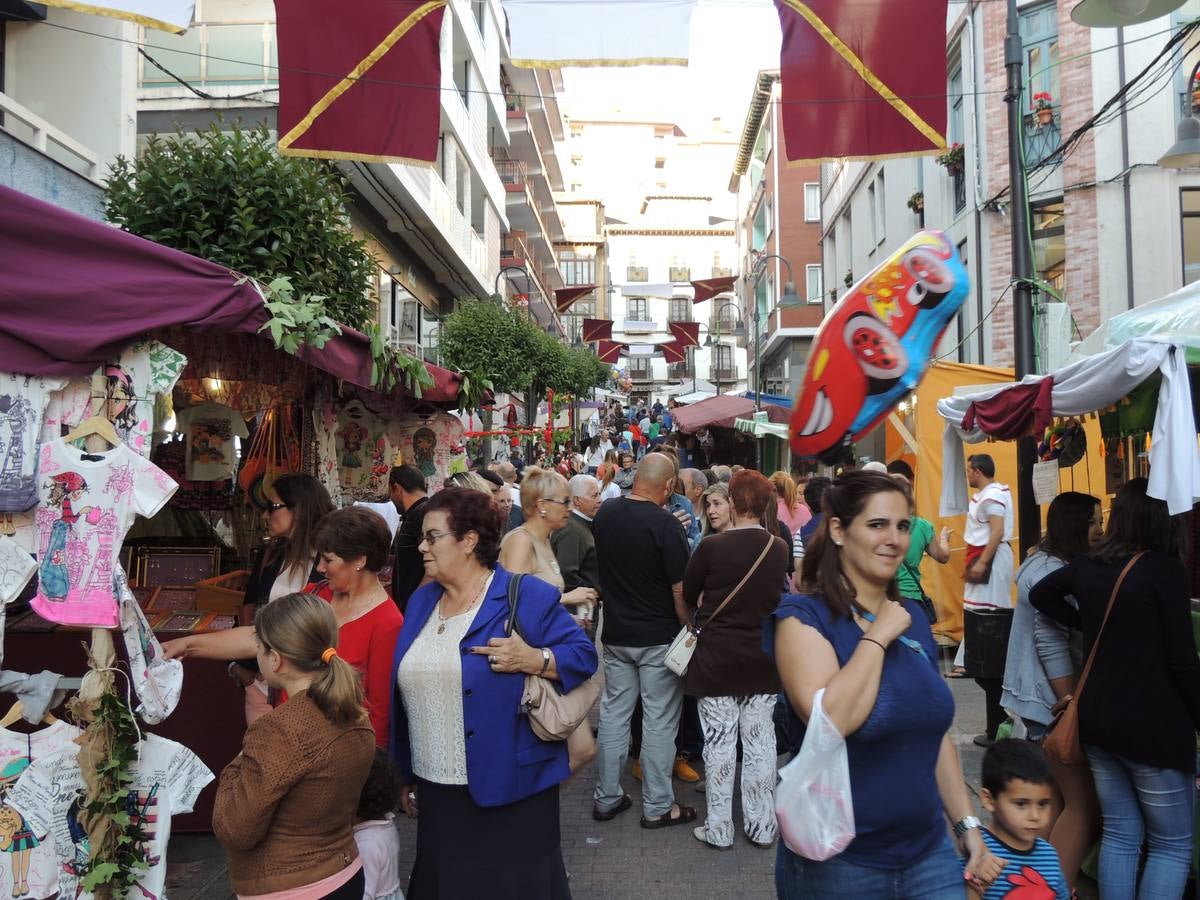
<point>1018,791</point>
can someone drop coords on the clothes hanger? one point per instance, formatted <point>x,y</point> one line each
<point>14,713</point>
<point>99,426</point>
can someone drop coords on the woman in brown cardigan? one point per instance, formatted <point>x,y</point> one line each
<point>285,806</point>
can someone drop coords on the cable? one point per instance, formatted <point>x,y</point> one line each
<point>978,325</point>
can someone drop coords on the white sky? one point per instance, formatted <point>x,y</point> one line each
<point>731,41</point>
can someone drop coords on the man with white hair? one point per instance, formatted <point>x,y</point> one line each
<point>574,546</point>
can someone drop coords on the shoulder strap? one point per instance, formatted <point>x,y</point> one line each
<point>1111,600</point>
<point>514,587</point>
<point>754,568</point>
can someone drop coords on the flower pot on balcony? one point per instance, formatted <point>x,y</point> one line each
<point>1045,115</point>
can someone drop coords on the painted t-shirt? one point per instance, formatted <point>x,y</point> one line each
<point>27,859</point>
<point>364,456</point>
<point>23,400</point>
<point>87,503</point>
<point>210,429</point>
<point>1033,874</point>
<point>167,779</point>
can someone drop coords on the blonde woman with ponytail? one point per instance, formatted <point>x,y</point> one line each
<point>285,806</point>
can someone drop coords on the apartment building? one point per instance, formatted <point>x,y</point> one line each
<point>778,233</point>
<point>583,259</point>
<point>67,102</point>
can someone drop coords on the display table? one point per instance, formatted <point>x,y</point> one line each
<point>209,720</point>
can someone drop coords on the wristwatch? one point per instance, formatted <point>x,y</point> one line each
<point>965,824</point>
<point>545,660</point>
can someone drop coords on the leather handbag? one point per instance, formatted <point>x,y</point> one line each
<point>679,654</point>
<point>552,715</point>
<point>1061,743</point>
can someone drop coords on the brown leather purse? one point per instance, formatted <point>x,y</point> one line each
<point>1062,743</point>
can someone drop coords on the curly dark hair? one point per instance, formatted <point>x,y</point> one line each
<point>353,532</point>
<point>472,511</point>
<point>381,793</point>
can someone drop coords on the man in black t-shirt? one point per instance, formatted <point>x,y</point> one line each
<point>406,485</point>
<point>643,552</point>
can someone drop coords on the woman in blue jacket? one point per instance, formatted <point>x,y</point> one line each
<point>486,785</point>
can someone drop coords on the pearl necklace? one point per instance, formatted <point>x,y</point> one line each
<point>442,620</point>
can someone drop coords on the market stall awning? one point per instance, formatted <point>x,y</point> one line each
<point>720,411</point>
<point>74,293</point>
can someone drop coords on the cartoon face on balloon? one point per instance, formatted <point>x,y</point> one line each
<point>876,343</point>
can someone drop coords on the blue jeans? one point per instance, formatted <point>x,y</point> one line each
<point>937,876</point>
<point>1139,801</point>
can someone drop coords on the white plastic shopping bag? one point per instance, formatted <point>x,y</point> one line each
<point>813,802</point>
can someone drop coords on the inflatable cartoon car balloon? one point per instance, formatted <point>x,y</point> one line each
<point>876,343</point>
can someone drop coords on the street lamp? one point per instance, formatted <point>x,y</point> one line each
<point>714,337</point>
<point>503,274</point>
<point>1186,151</point>
<point>789,300</point>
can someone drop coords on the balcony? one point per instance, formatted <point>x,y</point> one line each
<point>637,273</point>
<point>213,54</point>
<point>640,373</point>
<point>723,324</point>
<point>680,274</point>
<point>638,326</point>
<point>1042,139</point>
<point>29,128</point>
<point>514,173</point>
<point>513,248</point>
<point>718,374</point>
<point>678,371</point>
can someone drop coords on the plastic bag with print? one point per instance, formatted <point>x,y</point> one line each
<point>157,681</point>
<point>813,802</point>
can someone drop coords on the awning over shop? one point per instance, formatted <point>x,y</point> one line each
<point>771,400</point>
<point>74,293</point>
<point>720,412</point>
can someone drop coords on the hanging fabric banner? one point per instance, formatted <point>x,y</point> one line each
<point>551,34</point>
<point>686,334</point>
<point>165,15</point>
<point>564,297</point>
<point>862,79</point>
<point>597,330</point>
<point>609,351</point>
<point>674,351</point>
<point>707,288</point>
<point>361,79</point>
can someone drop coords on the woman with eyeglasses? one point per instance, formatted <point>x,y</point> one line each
<point>281,566</point>
<point>464,749</point>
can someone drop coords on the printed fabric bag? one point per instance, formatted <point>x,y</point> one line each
<point>813,802</point>
<point>274,451</point>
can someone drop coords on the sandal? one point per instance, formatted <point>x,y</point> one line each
<point>666,820</point>
<point>957,672</point>
<point>608,815</point>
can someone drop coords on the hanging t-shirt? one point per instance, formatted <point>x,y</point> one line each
<point>23,400</point>
<point>146,369</point>
<point>209,429</point>
<point>88,502</point>
<point>16,568</point>
<point>364,455</point>
<point>67,408</point>
<point>29,863</point>
<point>167,779</point>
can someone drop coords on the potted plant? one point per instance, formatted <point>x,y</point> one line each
<point>953,160</point>
<point>917,202</point>
<point>849,279</point>
<point>1043,107</point>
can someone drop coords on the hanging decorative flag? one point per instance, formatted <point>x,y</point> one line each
<point>551,34</point>
<point>564,297</point>
<point>360,79</point>
<point>597,330</point>
<point>165,15</point>
<point>686,334</point>
<point>609,351</point>
<point>674,351</point>
<point>707,288</point>
<point>862,79</point>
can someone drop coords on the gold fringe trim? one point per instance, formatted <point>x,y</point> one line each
<point>908,154</point>
<point>286,141</point>
<point>910,115</point>
<point>145,21</point>
<point>598,63</point>
<point>354,157</point>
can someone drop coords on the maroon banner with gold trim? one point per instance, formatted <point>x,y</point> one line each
<point>686,334</point>
<point>360,79</point>
<point>597,330</point>
<point>862,79</point>
<point>674,351</point>
<point>707,288</point>
<point>609,351</point>
<point>564,297</point>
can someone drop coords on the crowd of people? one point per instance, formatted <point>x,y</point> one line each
<point>364,704</point>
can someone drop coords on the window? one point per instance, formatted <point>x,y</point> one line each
<point>880,210</point>
<point>725,318</point>
<point>812,202</point>
<point>814,287</point>
<point>680,310</point>
<point>760,229</point>
<point>639,368</point>
<point>722,363</point>
<point>575,268</point>
<point>954,122</point>
<point>1189,205</point>
<point>1049,243</point>
<point>637,309</point>
<point>1039,37</point>
<point>660,163</point>
<point>873,215</point>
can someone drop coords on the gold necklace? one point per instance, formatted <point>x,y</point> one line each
<point>441,629</point>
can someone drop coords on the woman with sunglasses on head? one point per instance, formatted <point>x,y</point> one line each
<point>472,764</point>
<point>283,565</point>
<point>851,634</point>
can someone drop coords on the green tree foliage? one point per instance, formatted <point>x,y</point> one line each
<point>228,196</point>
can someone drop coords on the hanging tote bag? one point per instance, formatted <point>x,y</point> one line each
<point>274,451</point>
<point>1062,743</point>
<point>679,654</point>
<point>552,714</point>
<point>813,803</point>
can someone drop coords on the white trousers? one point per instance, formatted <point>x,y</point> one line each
<point>724,719</point>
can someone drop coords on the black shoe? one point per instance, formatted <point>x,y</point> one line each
<point>982,740</point>
<point>608,815</point>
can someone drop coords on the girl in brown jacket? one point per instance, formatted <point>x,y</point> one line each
<point>285,806</point>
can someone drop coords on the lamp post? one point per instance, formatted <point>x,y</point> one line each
<point>714,337</point>
<point>1185,153</point>
<point>503,274</point>
<point>790,299</point>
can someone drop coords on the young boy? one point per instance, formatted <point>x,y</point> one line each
<point>1018,790</point>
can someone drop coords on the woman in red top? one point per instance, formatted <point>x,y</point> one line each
<point>352,546</point>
